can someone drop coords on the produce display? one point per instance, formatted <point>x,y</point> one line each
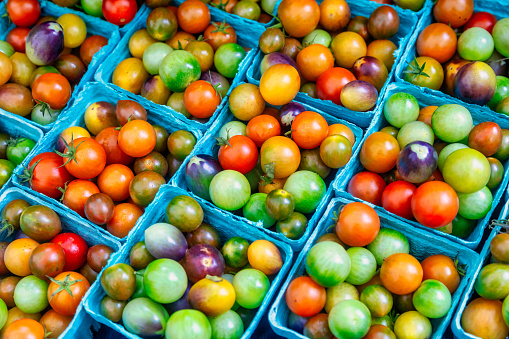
<point>486,314</point>
<point>46,267</point>
<point>182,59</point>
<point>119,13</point>
<point>432,164</point>
<point>358,59</point>
<point>42,60</point>
<point>127,157</point>
<point>367,276</point>
<point>463,53</point>
<point>185,278</point>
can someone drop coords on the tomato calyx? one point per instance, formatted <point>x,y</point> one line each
<point>200,38</point>
<point>416,70</point>
<point>460,268</point>
<point>214,278</point>
<point>221,5</point>
<point>70,152</point>
<point>63,285</point>
<point>221,28</point>
<point>45,108</point>
<point>28,173</point>
<point>7,226</point>
<point>63,190</point>
<point>269,170</point>
<point>224,141</point>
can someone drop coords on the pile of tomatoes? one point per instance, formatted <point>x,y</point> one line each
<point>414,5</point>
<point>50,58</point>
<point>439,168</point>
<point>273,167</point>
<point>171,66</point>
<point>349,69</point>
<point>471,67</point>
<point>187,283</point>
<point>487,316</point>
<point>119,13</point>
<point>368,283</point>
<point>122,152</point>
<point>12,153</point>
<point>38,270</point>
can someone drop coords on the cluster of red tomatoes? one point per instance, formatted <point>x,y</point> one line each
<point>487,316</point>
<point>122,152</point>
<point>50,58</point>
<point>272,176</point>
<point>471,67</point>
<point>349,69</point>
<point>39,270</point>
<point>171,66</point>
<point>439,168</point>
<point>362,275</point>
<point>119,13</point>
<point>186,273</point>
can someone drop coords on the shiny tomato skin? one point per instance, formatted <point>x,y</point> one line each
<point>305,297</point>
<point>241,156</point>
<point>367,186</point>
<point>435,204</point>
<point>397,198</point>
<point>379,153</point>
<point>17,38</point>
<point>481,19</point>
<point>401,273</point>
<point>331,82</point>
<point>108,139</point>
<point>64,302</point>
<point>119,12</point>
<point>453,12</point>
<point>358,224</point>
<point>75,249</point>
<point>48,174</point>
<point>201,99</point>
<point>77,193</point>
<point>261,128</point>
<point>437,41</point>
<point>23,13</point>
<point>309,129</point>
<point>89,158</point>
<point>53,89</point>
<point>442,268</point>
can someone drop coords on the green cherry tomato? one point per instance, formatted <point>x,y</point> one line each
<point>227,325</point>
<point>154,55</point>
<point>250,286</point>
<point>363,265</point>
<point>145,317</point>
<point>44,115</point>
<point>112,309</point>
<point>176,101</point>
<point>378,300</point>
<point>140,287</point>
<point>415,131</point>
<point>6,169</point>
<point>165,281</point>
<point>232,129</point>
<point>187,324</point>
<point>387,243</point>
<point>93,7</point>
<point>6,48</point>
<point>400,109</point>
<point>451,122</point>
<point>505,311</point>
<point>181,143</point>
<point>339,293</point>
<point>18,149</point>
<point>335,151</point>
<point>185,213</point>
<point>255,209</point>
<point>235,252</point>
<point>119,281</point>
<point>294,226</point>
<point>328,264</point>
<point>462,227</point>
<point>228,58</point>
<point>475,44</point>
<point>496,173</point>
<point>247,9</point>
<point>501,37</point>
<point>178,69</point>
<point>230,190</point>
<point>432,299</point>
<point>412,324</point>
<point>493,282</point>
<point>31,294</point>
<point>349,319</point>
<point>501,92</point>
<point>446,151</point>
<point>466,170</point>
<point>3,313</point>
<point>279,204</point>
<point>307,188</point>
<point>318,36</point>
<point>475,205</point>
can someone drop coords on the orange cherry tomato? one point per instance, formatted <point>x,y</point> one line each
<point>64,302</point>
<point>442,268</point>
<point>342,130</point>
<point>304,297</point>
<point>180,40</point>
<point>309,129</point>
<point>193,16</point>
<point>279,84</point>
<point>201,99</point>
<point>334,15</point>
<point>261,128</point>
<point>437,41</point>
<point>17,256</point>
<point>358,224</point>
<point>124,218</point>
<point>84,158</point>
<point>24,328</point>
<point>137,138</point>
<point>114,181</point>
<point>401,273</point>
<point>313,60</point>
<point>219,33</point>
<point>435,204</point>
<point>379,153</point>
<point>90,46</point>
<point>77,193</point>
<point>453,12</point>
<point>299,17</point>
<point>53,89</point>
<point>108,139</point>
<point>426,113</point>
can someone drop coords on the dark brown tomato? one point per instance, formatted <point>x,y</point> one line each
<point>204,234</point>
<point>173,165</point>
<point>161,139</point>
<point>359,25</point>
<point>16,99</point>
<point>71,67</point>
<point>154,161</point>
<point>144,187</point>
<point>371,70</point>
<point>130,110</point>
<point>40,223</point>
<point>292,47</point>
<point>99,208</point>
<point>98,256</point>
<point>485,137</point>
<point>12,213</point>
<point>89,273</point>
<point>272,40</point>
<point>7,287</point>
<point>47,260</point>
<point>383,22</point>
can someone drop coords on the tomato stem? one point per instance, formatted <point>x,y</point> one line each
<point>221,5</point>
<point>416,70</point>
<point>70,152</point>
<point>28,173</point>
<point>269,170</point>
<point>63,285</point>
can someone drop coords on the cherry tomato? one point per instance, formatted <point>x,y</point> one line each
<point>17,256</point>
<point>367,186</point>
<point>239,153</point>
<point>401,273</point>
<point>358,224</point>
<point>55,323</point>
<point>397,198</point>
<point>75,249</point>
<point>442,268</point>
<point>435,204</point>
<point>77,193</point>
<point>481,19</point>
<point>137,138</point>
<point>261,128</point>
<point>17,38</point>
<point>299,17</point>
<point>114,181</point>
<point>24,328</point>
<point>193,16</point>
<point>124,218</point>
<point>108,139</point>
<point>304,297</point>
<point>119,12</point>
<point>334,15</point>
<point>201,99</point>
<point>23,13</point>
<point>437,41</point>
<point>309,129</point>
<point>219,33</point>
<point>90,46</point>
<point>313,60</point>
<point>279,84</point>
<point>61,300</point>
<point>284,153</point>
<point>53,89</point>
<point>379,153</point>
<point>453,12</point>
<point>84,158</point>
<point>331,82</point>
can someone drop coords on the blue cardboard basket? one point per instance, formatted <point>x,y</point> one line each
<point>91,93</point>
<point>95,26</point>
<point>424,99</point>
<point>17,126</point>
<point>496,7</point>
<point>470,294</point>
<point>209,146</point>
<point>422,245</point>
<point>81,323</point>
<point>227,229</point>
<point>247,35</point>
<point>408,20</point>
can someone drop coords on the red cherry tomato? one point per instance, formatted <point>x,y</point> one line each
<point>261,128</point>
<point>397,198</point>
<point>119,12</point>
<point>239,154</point>
<point>367,186</point>
<point>305,297</point>
<point>358,224</point>
<point>75,249</point>
<point>23,13</point>
<point>481,19</point>
<point>331,82</point>
<point>435,204</point>
<point>17,37</point>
